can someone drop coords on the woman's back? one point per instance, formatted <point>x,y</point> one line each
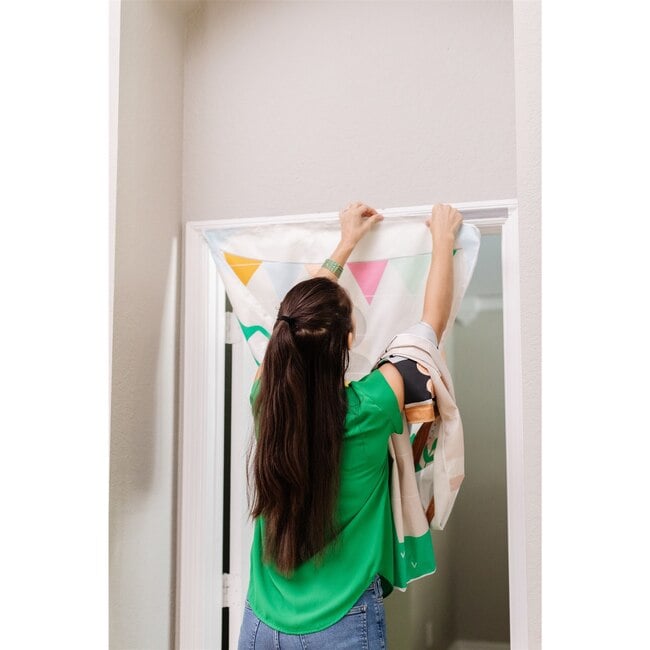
<point>322,590</point>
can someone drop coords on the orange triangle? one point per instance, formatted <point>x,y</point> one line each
<point>244,267</point>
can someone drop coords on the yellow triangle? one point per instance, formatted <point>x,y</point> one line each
<point>244,267</point>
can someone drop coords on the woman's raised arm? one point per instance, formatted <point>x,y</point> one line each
<point>443,225</point>
<point>408,384</point>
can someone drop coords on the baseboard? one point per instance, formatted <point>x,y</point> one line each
<point>466,644</point>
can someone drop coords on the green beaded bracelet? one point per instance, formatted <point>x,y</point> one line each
<point>333,267</point>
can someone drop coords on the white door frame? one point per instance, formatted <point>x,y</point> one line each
<point>201,588</point>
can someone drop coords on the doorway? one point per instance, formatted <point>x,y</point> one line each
<point>204,586</point>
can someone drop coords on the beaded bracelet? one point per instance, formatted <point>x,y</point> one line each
<point>333,267</point>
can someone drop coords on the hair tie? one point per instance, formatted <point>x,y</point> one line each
<point>288,319</point>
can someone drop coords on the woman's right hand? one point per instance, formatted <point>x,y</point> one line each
<point>444,222</point>
<point>356,220</point>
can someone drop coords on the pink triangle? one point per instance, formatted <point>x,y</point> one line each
<point>368,275</point>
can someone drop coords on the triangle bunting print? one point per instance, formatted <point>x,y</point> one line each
<point>368,275</point>
<point>283,276</point>
<point>259,264</point>
<point>413,270</point>
<point>244,267</point>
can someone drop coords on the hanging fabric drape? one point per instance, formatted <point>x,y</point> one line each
<point>385,277</point>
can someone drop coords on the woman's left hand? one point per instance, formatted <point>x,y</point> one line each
<point>356,220</point>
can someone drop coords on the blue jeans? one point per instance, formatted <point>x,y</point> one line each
<point>362,628</point>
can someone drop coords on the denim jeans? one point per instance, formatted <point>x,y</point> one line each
<point>362,628</point>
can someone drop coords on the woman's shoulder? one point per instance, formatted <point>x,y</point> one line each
<point>374,398</point>
<point>381,387</point>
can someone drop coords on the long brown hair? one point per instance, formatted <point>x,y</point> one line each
<point>300,415</point>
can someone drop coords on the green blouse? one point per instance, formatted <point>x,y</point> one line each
<point>318,595</point>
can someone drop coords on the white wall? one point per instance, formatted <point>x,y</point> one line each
<point>145,329</point>
<point>306,106</point>
<point>527,32</point>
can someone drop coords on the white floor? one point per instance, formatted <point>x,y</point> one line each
<point>463,644</point>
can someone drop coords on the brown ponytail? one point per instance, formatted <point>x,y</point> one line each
<point>300,414</point>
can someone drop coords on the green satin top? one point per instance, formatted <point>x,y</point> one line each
<point>317,596</point>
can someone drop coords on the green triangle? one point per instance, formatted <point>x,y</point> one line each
<point>413,270</point>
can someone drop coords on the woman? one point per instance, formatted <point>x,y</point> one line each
<point>321,558</point>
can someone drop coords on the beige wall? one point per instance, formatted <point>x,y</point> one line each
<point>278,108</point>
<point>145,328</point>
<point>305,106</point>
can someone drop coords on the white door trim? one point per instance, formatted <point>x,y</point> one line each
<point>200,583</point>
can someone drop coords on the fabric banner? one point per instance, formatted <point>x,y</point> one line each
<point>385,276</point>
